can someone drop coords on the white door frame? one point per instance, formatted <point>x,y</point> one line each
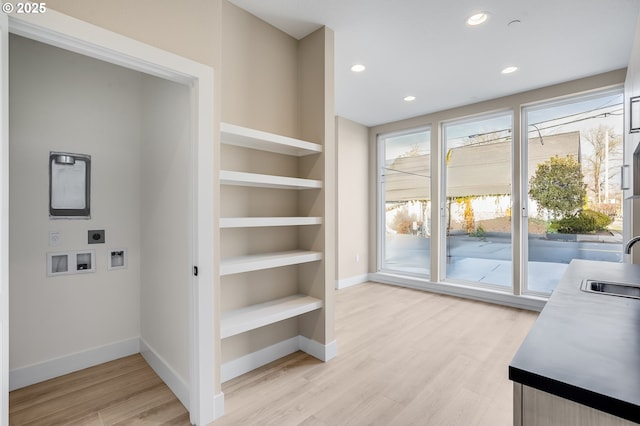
<point>4,217</point>
<point>59,30</point>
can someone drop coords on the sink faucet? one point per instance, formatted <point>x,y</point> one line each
<point>630,243</point>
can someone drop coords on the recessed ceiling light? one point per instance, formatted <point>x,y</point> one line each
<point>358,68</point>
<point>477,19</point>
<point>409,98</point>
<point>509,70</point>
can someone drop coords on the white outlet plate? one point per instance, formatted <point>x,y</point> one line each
<point>54,238</point>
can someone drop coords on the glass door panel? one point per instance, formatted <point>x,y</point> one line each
<point>574,205</point>
<point>477,187</point>
<point>405,181</point>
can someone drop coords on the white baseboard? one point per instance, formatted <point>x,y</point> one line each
<point>532,303</point>
<point>318,350</point>
<point>29,375</point>
<point>218,405</point>
<point>244,364</point>
<point>351,281</point>
<point>57,367</point>
<point>168,375</point>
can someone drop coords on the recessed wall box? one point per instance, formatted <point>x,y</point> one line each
<point>71,262</point>
<point>58,263</point>
<point>69,185</point>
<point>117,258</point>
<point>96,237</point>
<point>84,262</point>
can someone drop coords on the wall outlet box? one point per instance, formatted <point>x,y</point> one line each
<point>96,237</point>
<point>117,258</point>
<point>71,262</point>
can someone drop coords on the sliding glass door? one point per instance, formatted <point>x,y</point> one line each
<point>574,201</point>
<point>565,162</point>
<point>477,225</point>
<point>405,182</point>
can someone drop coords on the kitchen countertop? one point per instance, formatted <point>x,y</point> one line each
<point>585,347</point>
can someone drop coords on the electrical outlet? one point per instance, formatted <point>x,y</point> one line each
<point>96,237</point>
<point>54,238</point>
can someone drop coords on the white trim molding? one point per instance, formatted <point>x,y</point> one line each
<point>351,281</point>
<point>218,404</point>
<point>57,367</point>
<point>168,375</point>
<point>36,373</point>
<point>318,350</point>
<point>4,219</point>
<point>531,303</point>
<point>244,364</point>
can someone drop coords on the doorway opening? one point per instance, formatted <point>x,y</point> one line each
<point>180,302</point>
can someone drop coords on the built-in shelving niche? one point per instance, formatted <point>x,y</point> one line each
<point>268,228</point>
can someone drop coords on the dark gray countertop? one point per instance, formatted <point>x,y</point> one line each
<point>585,347</point>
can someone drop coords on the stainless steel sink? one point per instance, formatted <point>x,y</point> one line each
<point>611,288</point>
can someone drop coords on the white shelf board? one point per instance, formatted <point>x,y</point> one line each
<point>228,177</point>
<point>230,134</point>
<point>256,262</point>
<point>255,222</point>
<point>255,316</point>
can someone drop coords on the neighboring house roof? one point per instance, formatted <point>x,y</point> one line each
<point>473,170</point>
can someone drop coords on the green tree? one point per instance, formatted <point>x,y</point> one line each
<point>558,186</point>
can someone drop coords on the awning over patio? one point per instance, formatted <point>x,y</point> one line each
<point>473,170</point>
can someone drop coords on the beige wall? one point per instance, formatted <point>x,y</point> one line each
<point>189,28</point>
<point>353,199</point>
<point>259,71</point>
<point>62,101</point>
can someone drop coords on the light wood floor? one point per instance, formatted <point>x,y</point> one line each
<point>121,392</point>
<point>405,357</point>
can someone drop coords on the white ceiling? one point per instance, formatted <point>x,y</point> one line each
<point>424,48</point>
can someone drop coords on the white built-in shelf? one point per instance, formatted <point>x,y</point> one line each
<point>255,316</point>
<point>255,222</point>
<point>230,134</point>
<point>228,177</point>
<point>256,262</point>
